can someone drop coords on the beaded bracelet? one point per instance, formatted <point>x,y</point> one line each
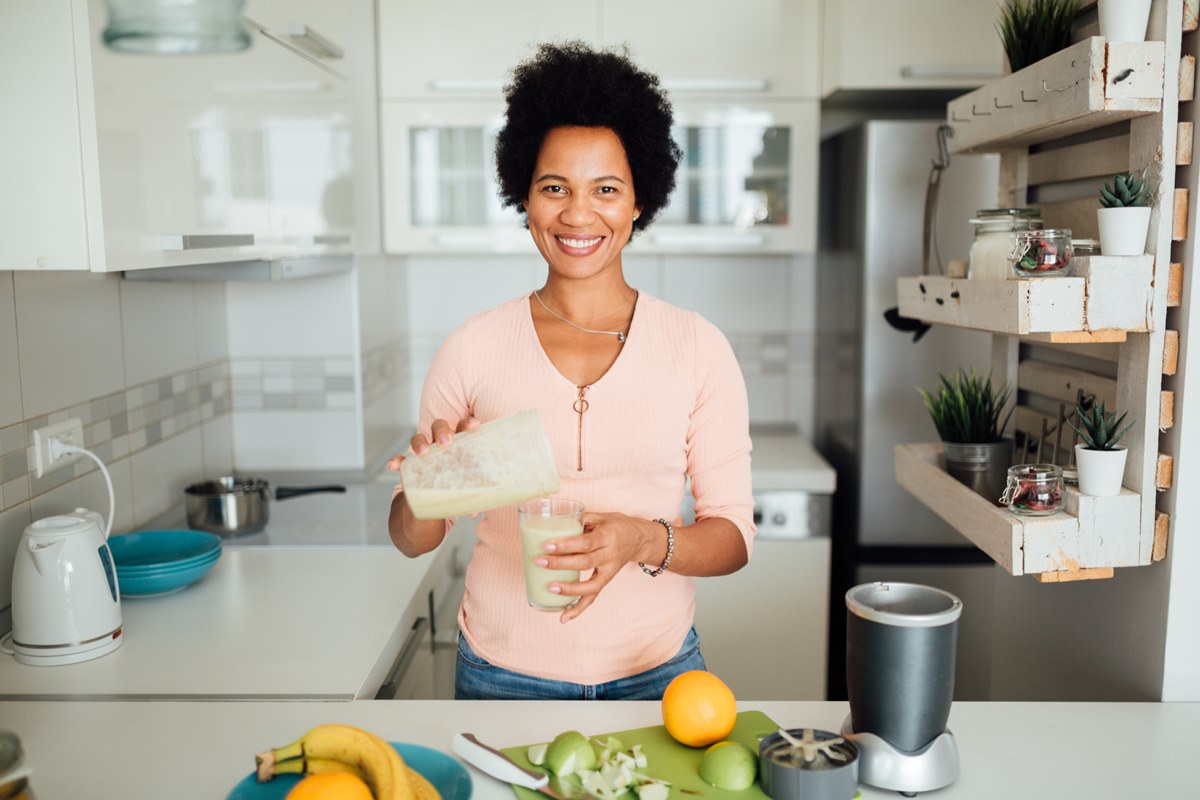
<point>654,573</point>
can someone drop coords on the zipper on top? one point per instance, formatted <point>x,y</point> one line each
<point>580,405</point>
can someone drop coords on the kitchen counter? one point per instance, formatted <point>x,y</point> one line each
<point>782,459</point>
<point>280,623</point>
<point>1054,751</point>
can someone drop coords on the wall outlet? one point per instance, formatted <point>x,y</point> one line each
<point>69,431</point>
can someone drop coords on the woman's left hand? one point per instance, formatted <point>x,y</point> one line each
<point>608,543</point>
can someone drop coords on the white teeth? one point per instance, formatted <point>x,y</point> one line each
<point>579,242</point>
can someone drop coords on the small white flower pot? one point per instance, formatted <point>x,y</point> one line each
<point>1124,20</point>
<point>1123,230</point>
<point>1101,472</point>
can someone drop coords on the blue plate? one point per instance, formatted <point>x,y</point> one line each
<point>161,548</point>
<point>165,569</point>
<point>162,582</point>
<point>446,774</point>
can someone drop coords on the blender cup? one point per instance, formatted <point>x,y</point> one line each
<point>500,463</point>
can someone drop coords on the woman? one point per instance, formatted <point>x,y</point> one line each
<point>637,396</point>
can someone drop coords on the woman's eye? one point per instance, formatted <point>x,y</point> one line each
<point>608,190</point>
<point>553,190</point>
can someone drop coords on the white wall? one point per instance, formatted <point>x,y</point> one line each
<point>142,364</point>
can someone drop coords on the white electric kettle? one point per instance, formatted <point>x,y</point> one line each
<point>66,606</point>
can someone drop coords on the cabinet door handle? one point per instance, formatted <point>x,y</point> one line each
<point>206,241</point>
<point>305,38</point>
<point>466,85</point>
<point>408,651</point>
<point>715,84</point>
<point>702,240</point>
<point>950,71</point>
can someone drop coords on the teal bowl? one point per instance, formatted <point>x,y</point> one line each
<point>153,549</point>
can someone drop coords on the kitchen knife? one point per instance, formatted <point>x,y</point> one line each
<point>498,765</point>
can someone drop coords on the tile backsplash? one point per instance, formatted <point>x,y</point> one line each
<point>144,366</point>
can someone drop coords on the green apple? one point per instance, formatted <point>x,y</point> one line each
<point>729,765</point>
<point>569,752</point>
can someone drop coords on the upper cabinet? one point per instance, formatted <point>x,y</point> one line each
<point>429,49</point>
<point>746,182</point>
<point>122,162</point>
<point>744,87</point>
<point>915,44</point>
<point>766,47</point>
<point>762,47</point>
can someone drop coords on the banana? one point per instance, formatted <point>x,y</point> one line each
<point>422,789</point>
<point>314,766</point>
<point>382,768</point>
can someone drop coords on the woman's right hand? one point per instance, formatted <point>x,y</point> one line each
<point>440,432</point>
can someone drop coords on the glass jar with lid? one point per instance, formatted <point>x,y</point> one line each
<point>1034,489</point>
<point>1042,253</point>
<point>995,236</point>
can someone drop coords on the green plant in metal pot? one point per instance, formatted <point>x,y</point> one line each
<point>966,410</point>
<point>970,417</point>
<point>1034,29</point>
<point>1099,458</point>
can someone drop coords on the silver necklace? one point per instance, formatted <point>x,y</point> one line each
<point>619,334</point>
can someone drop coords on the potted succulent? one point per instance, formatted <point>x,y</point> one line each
<point>1100,461</point>
<point>1124,215</point>
<point>1033,29</point>
<point>1124,20</point>
<point>967,414</point>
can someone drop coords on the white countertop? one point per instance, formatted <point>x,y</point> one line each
<point>788,461</point>
<point>1056,751</point>
<point>278,623</point>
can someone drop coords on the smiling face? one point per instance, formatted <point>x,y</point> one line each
<point>581,203</point>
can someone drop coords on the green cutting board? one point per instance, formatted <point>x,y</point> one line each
<point>669,760</point>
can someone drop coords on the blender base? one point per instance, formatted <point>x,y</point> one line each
<point>881,765</point>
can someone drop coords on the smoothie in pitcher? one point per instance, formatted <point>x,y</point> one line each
<point>540,521</point>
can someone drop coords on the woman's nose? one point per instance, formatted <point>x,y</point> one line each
<point>578,210</point>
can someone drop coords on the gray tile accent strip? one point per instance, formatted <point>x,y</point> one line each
<point>115,426</point>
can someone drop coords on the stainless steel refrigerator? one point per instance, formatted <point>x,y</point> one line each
<point>873,180</point>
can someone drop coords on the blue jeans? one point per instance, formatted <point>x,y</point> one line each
<point>476,679</point>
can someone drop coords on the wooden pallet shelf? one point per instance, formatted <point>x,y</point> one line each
<point>1088,85</point>
<point>1107,297</point>
<point>1092,535</point>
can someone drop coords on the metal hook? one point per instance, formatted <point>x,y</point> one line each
<point>996,103</point>
<point>943,159</point>
<point>979,113</point>
<point>954,116</point>
<point>1026,99</point>
<point>1048,89</point>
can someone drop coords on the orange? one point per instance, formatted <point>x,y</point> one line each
<point>698,708</point>
<point>331,786</point>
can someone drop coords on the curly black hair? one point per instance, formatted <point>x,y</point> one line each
<point>572,84</point>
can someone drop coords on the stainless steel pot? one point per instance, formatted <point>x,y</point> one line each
<point>233,506</point>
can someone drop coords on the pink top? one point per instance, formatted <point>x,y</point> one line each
<point>673,405</point>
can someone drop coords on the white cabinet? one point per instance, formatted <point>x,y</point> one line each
<point>743,84</point>
<point>317,29</point>
<point>431,49</point>
<point>915,44</point>
<point>766,47</point>
<point>132,161</point>
<point>778,649</point>
<point>747,182</point>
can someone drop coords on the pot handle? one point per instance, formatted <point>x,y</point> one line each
<point>284,492</point>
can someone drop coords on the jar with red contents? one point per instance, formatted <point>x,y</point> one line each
<point>1042,253</point>
<point>1034,489</point>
